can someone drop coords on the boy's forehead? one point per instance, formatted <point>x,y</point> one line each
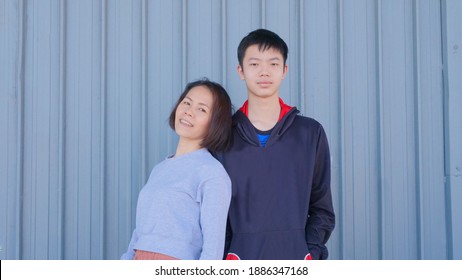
<point>254,51</point>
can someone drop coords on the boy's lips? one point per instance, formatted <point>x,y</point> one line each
<point>264,83</point>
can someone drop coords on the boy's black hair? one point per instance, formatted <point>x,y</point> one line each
<point>264,39</point>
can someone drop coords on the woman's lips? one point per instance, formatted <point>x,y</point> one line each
<point>185,122</point>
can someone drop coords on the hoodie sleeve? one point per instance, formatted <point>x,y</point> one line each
<point>321,217</point>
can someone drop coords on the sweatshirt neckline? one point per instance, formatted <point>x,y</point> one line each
<point>172,157</point>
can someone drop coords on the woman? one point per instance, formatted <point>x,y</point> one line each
<point>182,209</point>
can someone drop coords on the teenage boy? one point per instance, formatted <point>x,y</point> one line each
<point>279,164</point>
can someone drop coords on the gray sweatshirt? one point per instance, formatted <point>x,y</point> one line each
<point>182,209</point>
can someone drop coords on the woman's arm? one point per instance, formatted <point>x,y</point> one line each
<point>215,196</point>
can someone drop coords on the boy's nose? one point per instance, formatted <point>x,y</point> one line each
<point>264,71</point>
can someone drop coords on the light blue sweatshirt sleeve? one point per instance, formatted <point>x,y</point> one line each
<point>130,254</point>
<point>214,195</point>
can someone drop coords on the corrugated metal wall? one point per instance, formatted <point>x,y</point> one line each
<point>87,86</point>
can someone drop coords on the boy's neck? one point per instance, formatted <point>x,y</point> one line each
<point>264,113</point>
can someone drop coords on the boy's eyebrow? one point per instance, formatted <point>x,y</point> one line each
<point>255,58</point>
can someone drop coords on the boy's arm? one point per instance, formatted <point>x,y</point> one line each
<point>321,217</point>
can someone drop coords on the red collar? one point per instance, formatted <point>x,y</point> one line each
<point>284,108</point>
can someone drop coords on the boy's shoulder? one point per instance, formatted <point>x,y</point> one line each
<point>307,121</point>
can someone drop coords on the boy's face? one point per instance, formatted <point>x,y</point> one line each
<point>263,71</point>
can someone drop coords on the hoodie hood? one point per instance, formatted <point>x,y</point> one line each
<point>246,130</point>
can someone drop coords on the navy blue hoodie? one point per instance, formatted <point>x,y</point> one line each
<point>281,206</point>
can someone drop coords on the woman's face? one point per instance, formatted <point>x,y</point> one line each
<point>193,114</point>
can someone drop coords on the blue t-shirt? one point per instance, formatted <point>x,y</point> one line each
<point>263,136</point>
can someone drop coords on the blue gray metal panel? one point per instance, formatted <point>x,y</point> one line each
<point>40,200</point>
<point>398,185</point>
<point>10,127</point>
<point>87,87</point>
<point>429,131</point>
<point>452,55</point>
<point>204,40</point>
<point>82,101</point>
<point>359,128</point>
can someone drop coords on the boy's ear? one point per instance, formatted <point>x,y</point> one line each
<point>240,71</point>
<point>286,68</point>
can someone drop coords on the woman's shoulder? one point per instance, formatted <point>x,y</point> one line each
<point>208,161</point>
<point>207,166</point>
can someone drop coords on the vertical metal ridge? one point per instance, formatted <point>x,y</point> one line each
<point>379,129</point>
<point>184,57</point>
<point>223,43</point>
<point>447,163</point>
<point>115,98</point>
<point>342,156</point>
<point>144,80</point>
<point>117,101</point>
<point>451,170</point>
<point>418,129</point>
<point>184,27</point>
<point>20,131</point>
<point>61,127</point>
<point>263,13</point>
<point>301,46</point>
<point>33,130</point>
<point>103,124</point>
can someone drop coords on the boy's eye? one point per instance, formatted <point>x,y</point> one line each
<point>186,103</point>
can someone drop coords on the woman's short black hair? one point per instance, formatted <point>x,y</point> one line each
<point>218,137</point>
<point>264,39</point>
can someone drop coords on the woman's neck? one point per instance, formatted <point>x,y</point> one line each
<point>186,146</point>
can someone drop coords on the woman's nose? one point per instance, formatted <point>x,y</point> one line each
<point>188,112</point>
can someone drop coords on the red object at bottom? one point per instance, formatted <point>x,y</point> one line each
<point>232,257</point>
